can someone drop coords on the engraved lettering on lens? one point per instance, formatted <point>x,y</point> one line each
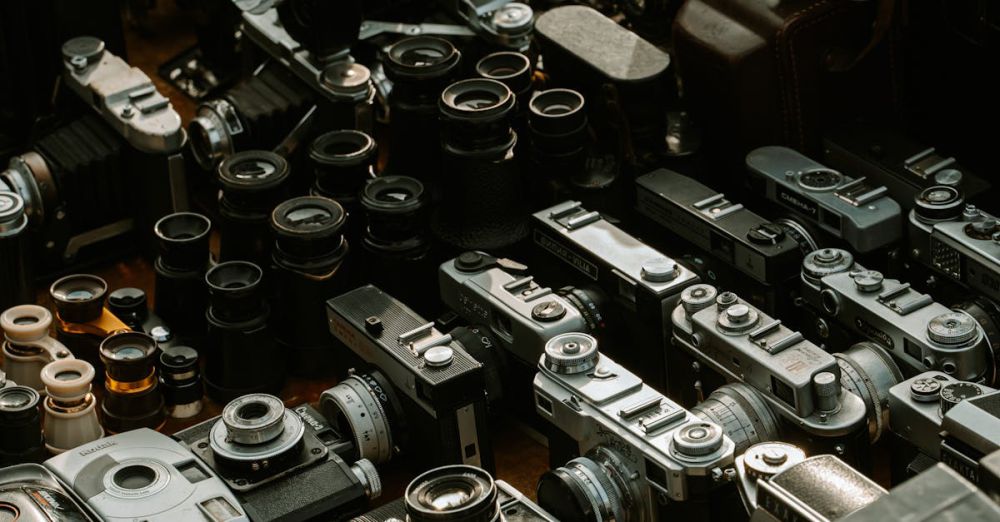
<point>874,334</point>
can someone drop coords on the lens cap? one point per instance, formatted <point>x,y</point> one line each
<point>252,171</point>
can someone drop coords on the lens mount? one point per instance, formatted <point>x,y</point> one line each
<point>476,99</point>
<point>361,404</point>
<point>79,298</point>
<point>26,323</point>
<point>452,493</point>
<point>421,57</point>
<point>68,379</point>
<point>253,171</point>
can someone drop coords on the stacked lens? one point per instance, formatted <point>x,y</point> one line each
<point>252,185</point>
<point>181,295</point>
<point>342,163</point>
<point>82,322</point>
<point>132,397</point>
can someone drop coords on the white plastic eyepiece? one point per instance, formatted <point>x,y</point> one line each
<point>68,379</point>
<point>26,323</point>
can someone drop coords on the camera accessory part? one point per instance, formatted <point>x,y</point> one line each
<point>442,388</point>
<point>133,398</point>
<point>482,204</point>
<point>956,240</point>
<point>27,347</point>
<point>918,332</point>
<point>743,414</point>
<point>821,488</point>
<point>890,157</point>
<point>743,344</point>
<point>504,23</point>
<point>636,277</point>
<point>511,69</point>
<point>16,266</point>
<point>365,406</point>
<point>342,163</point>
<point>395,207</point>
<point>714,224</point>
<point>850,209</point>
<point>82,321</point>
<point>867,370</point>
<point>70,408</point>
<point>181,295</point>
<point>22,489</point>
<point>254,114</point>
<point>241,355</point>
<point>282,463</point>
<point>252,185</point>
<point>180,380</point>
<point>20,426</point>
<point>146,475</point>
<point>520,313</point>
<point>308,265</point>
<point>636,445</point>
<point>761,462</point>
<point>129,305</point>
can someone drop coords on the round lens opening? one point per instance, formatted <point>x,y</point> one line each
<point>25,320</point>
<point>393,195</point>
<point>253,170</point>
<point>181,227</point>
<point>134,477</point>
<point>15,399</point>
<point>448,496</point>
<point>234,275</point>
<point>128,353</point>
<point>308,215</point>
<point>475,100</point>
<point>68,375</point>
<point>421,56</point>
<point>252,411</point>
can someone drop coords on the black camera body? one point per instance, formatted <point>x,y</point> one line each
<point>316,481</point>
<point>765,252</point>
<point>440,389</point>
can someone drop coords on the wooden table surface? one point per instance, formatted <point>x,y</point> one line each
<point>520,458</point>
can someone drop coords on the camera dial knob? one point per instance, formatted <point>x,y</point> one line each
<point>660,270</point>
<point>738,318</point>
<point>766,234</point>
<point>698,297</point>
<point>952,328</point>
<point>513,18</point>
<point>925,390</point>
<point>956,392</point>
<point>825,261</point>
<point>698,439</point>
<point>571,353</point>
<point>939,203</point>
<point>369,478</point>
<point>867,280</point>
<point>82,51</point>
<point>948,177</point>
<point>767,459</point>
<point>725,300</point>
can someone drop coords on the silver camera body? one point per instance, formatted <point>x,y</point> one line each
<point>850,209</point>
<point>658,446</point>
<point>918,332</point>
<point>522,314</point>
<point>32,493</point>
<point>799,381</point>
<point>957,240</point>
<point>142,474</point>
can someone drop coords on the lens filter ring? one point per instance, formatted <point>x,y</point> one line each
<point>458,492</point>
<point>359,404</point>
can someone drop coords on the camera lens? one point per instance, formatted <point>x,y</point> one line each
<point>183,240</point>
<point>365,405</point>
<point>867,370</point>
<point>235,291</point>
<point>252,184</point>
<point>590,489</point>
<point>742,414</point>
<point>938,203</point>
<point>476,114</point>
<point>129,358</point>
<point>421,57</point>
<point>394,206</point>
<point>180,378</point>
<point>342,162</point>
<point>71,409</point>
<point>452,493</point>
<point>308,228</point>
<point>510,68</point>
<point>129,305</point>
<point>79,298</point>
<point>20,426</point>
<point>558,120</point>
<point>590,302</point>
<point>256,434</point>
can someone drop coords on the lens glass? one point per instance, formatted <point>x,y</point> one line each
<point>68,375</point>
<point>252,411</point>
<point>475,100</point>
<point>134,477</point>
<point>448,496</point>
<point>15,399</point>
<point>393,195</point>
<point>253,170</point>
<point>421,56</point>
<point>128,353</point>
<point>80,294</point>
<point>938,196</point>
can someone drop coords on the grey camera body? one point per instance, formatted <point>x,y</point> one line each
<point>522,314</point>
<point>444,403</point>
<point>799,380</point>
<point>643,283</point>
<point>512,501</point>
<point>850,209</point>
<point>36,495</point>
<point>611,407</point>
<point>918,332</point>
<point>142,474</point>
<point>962,248</point>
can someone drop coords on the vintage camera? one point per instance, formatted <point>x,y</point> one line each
<point>765,251</point>
<point>632,453</point>
<point>27,347</point>
<point>425,393</point>
<point>16,267</point>
<point>891,158</point>
<point>80,200</point>
<point>31,493</point>
<point>642,283</point>
<point>956,240</point>
<point>143,474</point>
<point>800,382</point>
<point>281,463</point>
<point>852,210</point>
<point>928,412</point>
<point>458,493</point>
<point>920,333</point>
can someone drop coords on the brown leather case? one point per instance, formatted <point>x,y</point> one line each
<point>779,72</point>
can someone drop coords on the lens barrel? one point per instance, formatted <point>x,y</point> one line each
<point>452,493</point>
<point>132,397</point>
<point>342,163</point>
<point>180,380</point>
<point>240,353</point>
<point>79,298</point>
<point>253,183</point>
<point>181,295</point>
<point>20,426</point>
